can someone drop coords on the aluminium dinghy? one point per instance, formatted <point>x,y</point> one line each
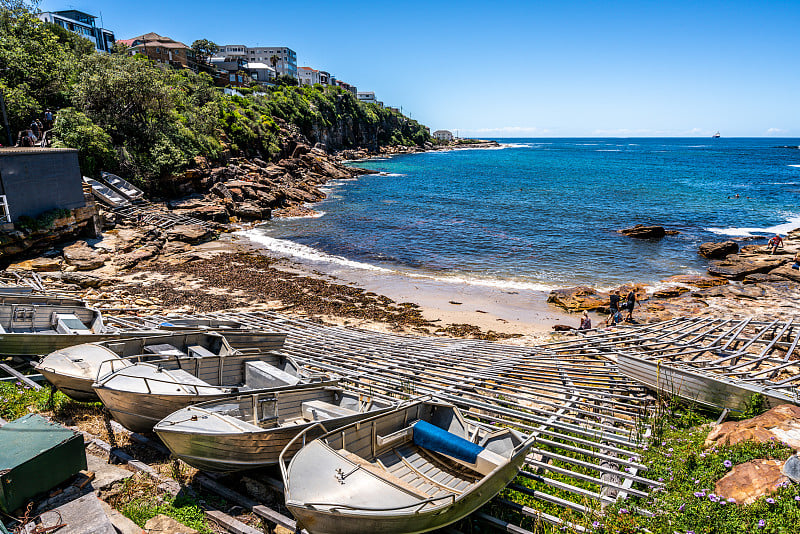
<point>140,395</point>
<point>250,431</point>
<point>418,468</point>
<point>72,370</point>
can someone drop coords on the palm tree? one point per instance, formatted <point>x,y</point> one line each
<point>274,60</point>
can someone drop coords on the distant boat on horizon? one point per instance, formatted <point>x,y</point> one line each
<point>716,136</point>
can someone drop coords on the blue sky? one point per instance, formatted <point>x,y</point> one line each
<point>524,69</point>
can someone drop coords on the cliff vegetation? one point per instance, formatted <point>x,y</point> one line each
<point>149,122</point>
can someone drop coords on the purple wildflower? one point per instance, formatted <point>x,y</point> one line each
<point>702,455</point>
<point>681,507</point>
<point>623,510</point>
<point>761,523</point>
<point>727,463</point>
<point>595,524</point>
<point>713,498</point>
<point>699,493</point>
<point>770,500</point>
<point>660,479</point>
<point>797,497</point>
<point>731,500</point>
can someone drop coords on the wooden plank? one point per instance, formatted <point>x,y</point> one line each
<point>19,376</point>
<point>229,523</point>
<point>276,518</point>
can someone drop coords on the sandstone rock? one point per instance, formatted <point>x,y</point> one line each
<point>300,150</point>
<point>781,423</point>
<point>748,481</point>
<point>641,231</point>
<point>578,298</point>
<point>718,250</point>
<point>38,265</point>
<point>252,211</point>
<point>786,272</point>
<point>670,292</point>
<point>82,256</point>
<point>737,268</point>
<point>697,280</point>
<point>175,247</point>
<point>190,233</point>
<point>208,211</point>
<point>164,524</point>
<point>760,278</point>
<point>126,261</point>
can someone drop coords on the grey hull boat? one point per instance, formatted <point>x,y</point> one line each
<point>32,329</point>
<point>73,370</point>
<point>142,394</point>
<point>122,186</point>
<point>250,431</point>
<point>696,385</point>
<point>414,469</point>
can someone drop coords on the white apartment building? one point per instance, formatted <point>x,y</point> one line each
<point>286,57</point>
<point>443,135</point>
<point>368,97</point>
<point>83,24</point>
<point>308,76</point>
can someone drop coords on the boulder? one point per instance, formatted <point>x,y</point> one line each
<point>300,150</point>
<point>670,292</point>
<point>126,261</point>
<point>781,423</point>
<point>578,298</point>
<point>760,278</point>
<point>697,280</point>
<point>737,268</point>
<point>749,481</point>
<point>785,272</point>
<point>83,257</point>
<point>39,265</point>
<point>164,524</point>
<point>641,231</point>
<point>189,233</point>
<point>718,250</point>
<point>252,211</point>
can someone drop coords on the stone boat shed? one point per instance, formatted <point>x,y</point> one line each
<point>36,180</point>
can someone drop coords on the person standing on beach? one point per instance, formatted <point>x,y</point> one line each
<point>613,306</point>
<point>630,302</point>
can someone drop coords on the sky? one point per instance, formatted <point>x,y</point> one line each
<point>558,68</point>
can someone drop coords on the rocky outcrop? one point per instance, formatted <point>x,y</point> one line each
<point>641,231</point>
<point>189,233</point>
<point>781,423</point>
<point>80,221</point>
<point>718,250</point>
<point>83,257</point>
<point>747,482</point>
<point>697,280</point>
<point>579,298</point>
<point>39,265</point>
<point>737,266</point>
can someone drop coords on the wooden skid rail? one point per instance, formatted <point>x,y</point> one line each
<point>589,418</point>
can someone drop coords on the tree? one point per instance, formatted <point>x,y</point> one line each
<point>204,49</point>
<point>285,79</point>
<point>274,60</point>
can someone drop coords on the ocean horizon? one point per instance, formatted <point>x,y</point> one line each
<point>540,213</point>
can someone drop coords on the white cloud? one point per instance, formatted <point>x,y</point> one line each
<point>776,131</point>
<point>509,131</point>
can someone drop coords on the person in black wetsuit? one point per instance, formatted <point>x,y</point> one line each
<point>629,304</point>
<point>613,306</point>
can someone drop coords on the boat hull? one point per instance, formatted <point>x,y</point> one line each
<point>344,522</point>
<point>695,386</point>
<point>76,388</point>
<point>34,344</point>
<point>139,412</point>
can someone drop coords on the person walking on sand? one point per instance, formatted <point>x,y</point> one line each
<point>630,302</point>
<point>613,306</point>
<point>774,243</point>
<point>586,322</point>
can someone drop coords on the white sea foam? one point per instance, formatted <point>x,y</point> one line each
<point>484,282</point>
<point>797,166</point>
<point>288,248</point>
<point>393,174</point>
<point>608,150</point>
<point>315,215</point>
<point>791,224</point>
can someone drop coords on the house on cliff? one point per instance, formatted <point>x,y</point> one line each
<point>162,50</point>
<point>443,135</point>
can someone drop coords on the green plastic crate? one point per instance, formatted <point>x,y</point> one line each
<point>35,456</point>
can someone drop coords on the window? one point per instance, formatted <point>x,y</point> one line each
<point>232,77</point>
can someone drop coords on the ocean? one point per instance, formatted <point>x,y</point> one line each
<point>544,213</point>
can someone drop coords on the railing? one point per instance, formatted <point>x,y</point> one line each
<point>5,214</point>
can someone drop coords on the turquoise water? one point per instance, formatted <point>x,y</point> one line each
<point>544,212</point>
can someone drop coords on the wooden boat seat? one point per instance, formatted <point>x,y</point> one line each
<point>188,380</point>
<point>199,351</point>
<point>258,374</point>
<point>384,474</point>
<point>317,410</point>
<point>164,349</point>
